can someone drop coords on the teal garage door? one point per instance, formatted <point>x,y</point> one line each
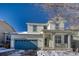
<point>26,44</point>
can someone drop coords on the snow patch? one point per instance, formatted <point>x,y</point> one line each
<point>56,53</point>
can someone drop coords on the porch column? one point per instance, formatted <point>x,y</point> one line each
<point>50,41</point>
<point>43,40</point>
<point>69,41</point>
<point>12,43</point>
<point>62,39</point>
<point>53,41</point>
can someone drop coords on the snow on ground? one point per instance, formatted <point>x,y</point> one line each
<point>17,53</point>
<point>56,53</point>
<point>1,48</point>
<point>23,53</point>
<point>13,52</point>
<point>6,50</point>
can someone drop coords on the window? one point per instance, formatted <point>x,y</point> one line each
<point>57,19</point>
<point>34,28</point>
<point>45,27</point>
<point>8,39</point>
<point>66,39</point>
<point>57,39</point>
<point>56,26</point>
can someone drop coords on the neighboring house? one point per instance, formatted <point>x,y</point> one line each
<point>5,29</point>
<point>51,35</point>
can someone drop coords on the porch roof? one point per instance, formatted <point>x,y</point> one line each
<point>68,31</point>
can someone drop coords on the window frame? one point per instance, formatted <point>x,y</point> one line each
<point>57,26</point>
<point>34,28</point>
<point>58,39</point>
<point>44,27</point>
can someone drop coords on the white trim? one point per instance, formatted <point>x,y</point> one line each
<point>13,41</point>
<point>69,41</point>
<point>17,33</point>
<point>36,23</point>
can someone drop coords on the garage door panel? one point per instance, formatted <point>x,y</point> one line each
<point>26,44</point>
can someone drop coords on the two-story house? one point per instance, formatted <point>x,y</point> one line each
<point>52,35</point>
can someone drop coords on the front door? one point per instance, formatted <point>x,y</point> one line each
<point>46,42</point>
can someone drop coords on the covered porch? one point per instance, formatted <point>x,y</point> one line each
<point>57,39</point>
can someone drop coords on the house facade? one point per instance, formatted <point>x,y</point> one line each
<point>5,28</point>
<point>50,35</point>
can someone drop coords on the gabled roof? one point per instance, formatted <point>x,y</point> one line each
<point>69,31</point>
<point>6,27</point>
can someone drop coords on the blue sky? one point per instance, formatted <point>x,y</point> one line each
<point>19,14</point>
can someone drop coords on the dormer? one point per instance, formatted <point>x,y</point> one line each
<point>59,23</point>
<point>56,23</point>
<point>51,25</point>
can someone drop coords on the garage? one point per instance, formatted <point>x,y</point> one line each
<point>26,44</point>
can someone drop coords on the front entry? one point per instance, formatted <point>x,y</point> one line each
<point>46,42</point>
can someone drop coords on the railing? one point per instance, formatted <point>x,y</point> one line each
<point>61,45</point>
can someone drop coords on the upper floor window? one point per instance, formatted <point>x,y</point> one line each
<point>56,26</point>
<point>57,19</point>
<point>45,27</point>
<point>34,28</point>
